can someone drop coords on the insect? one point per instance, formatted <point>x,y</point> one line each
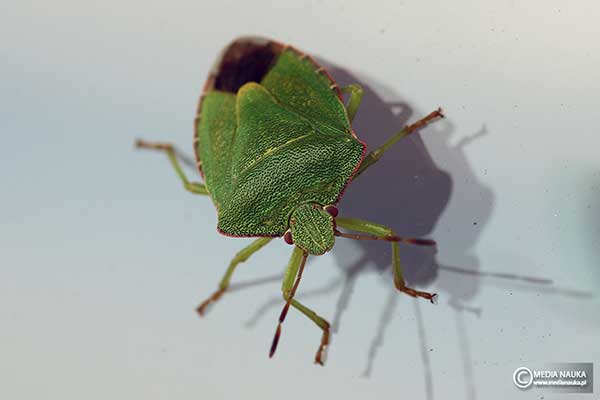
<point>275,147</point>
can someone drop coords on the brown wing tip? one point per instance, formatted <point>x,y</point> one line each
<point>245,59</point>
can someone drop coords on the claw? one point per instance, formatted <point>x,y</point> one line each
<point>321,355</point>
<point>322,351</point>
<point>142,144</point>
<point>432,297</point>
<point>201,310</point>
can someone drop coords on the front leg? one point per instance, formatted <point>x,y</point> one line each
<point>376,154</point>
<point>356,93</point>
<point>290,283</point>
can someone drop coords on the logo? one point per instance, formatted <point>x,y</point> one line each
<point>523,377</point>
<point>560,377</point>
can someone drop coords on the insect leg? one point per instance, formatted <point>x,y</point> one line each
<point>240,257</point>
<point>381,232</point>
<point>288,288</point>
<point>193,187</point>
<point>376,154</point>
<point>321,323</point>
<point>356,93</point>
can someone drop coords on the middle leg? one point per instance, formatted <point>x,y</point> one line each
<point>240,257</point>
<point>381,232</point>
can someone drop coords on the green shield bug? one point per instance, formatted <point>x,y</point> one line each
<point>275,146</point>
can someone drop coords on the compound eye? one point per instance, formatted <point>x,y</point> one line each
<point>331,210</point>
<point>287,236</point>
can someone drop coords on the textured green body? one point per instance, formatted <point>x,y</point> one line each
<point>275,145</point>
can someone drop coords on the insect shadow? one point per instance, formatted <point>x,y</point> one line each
<point>407,191</point>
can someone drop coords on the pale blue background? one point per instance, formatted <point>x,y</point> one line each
<point>103,257</point>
